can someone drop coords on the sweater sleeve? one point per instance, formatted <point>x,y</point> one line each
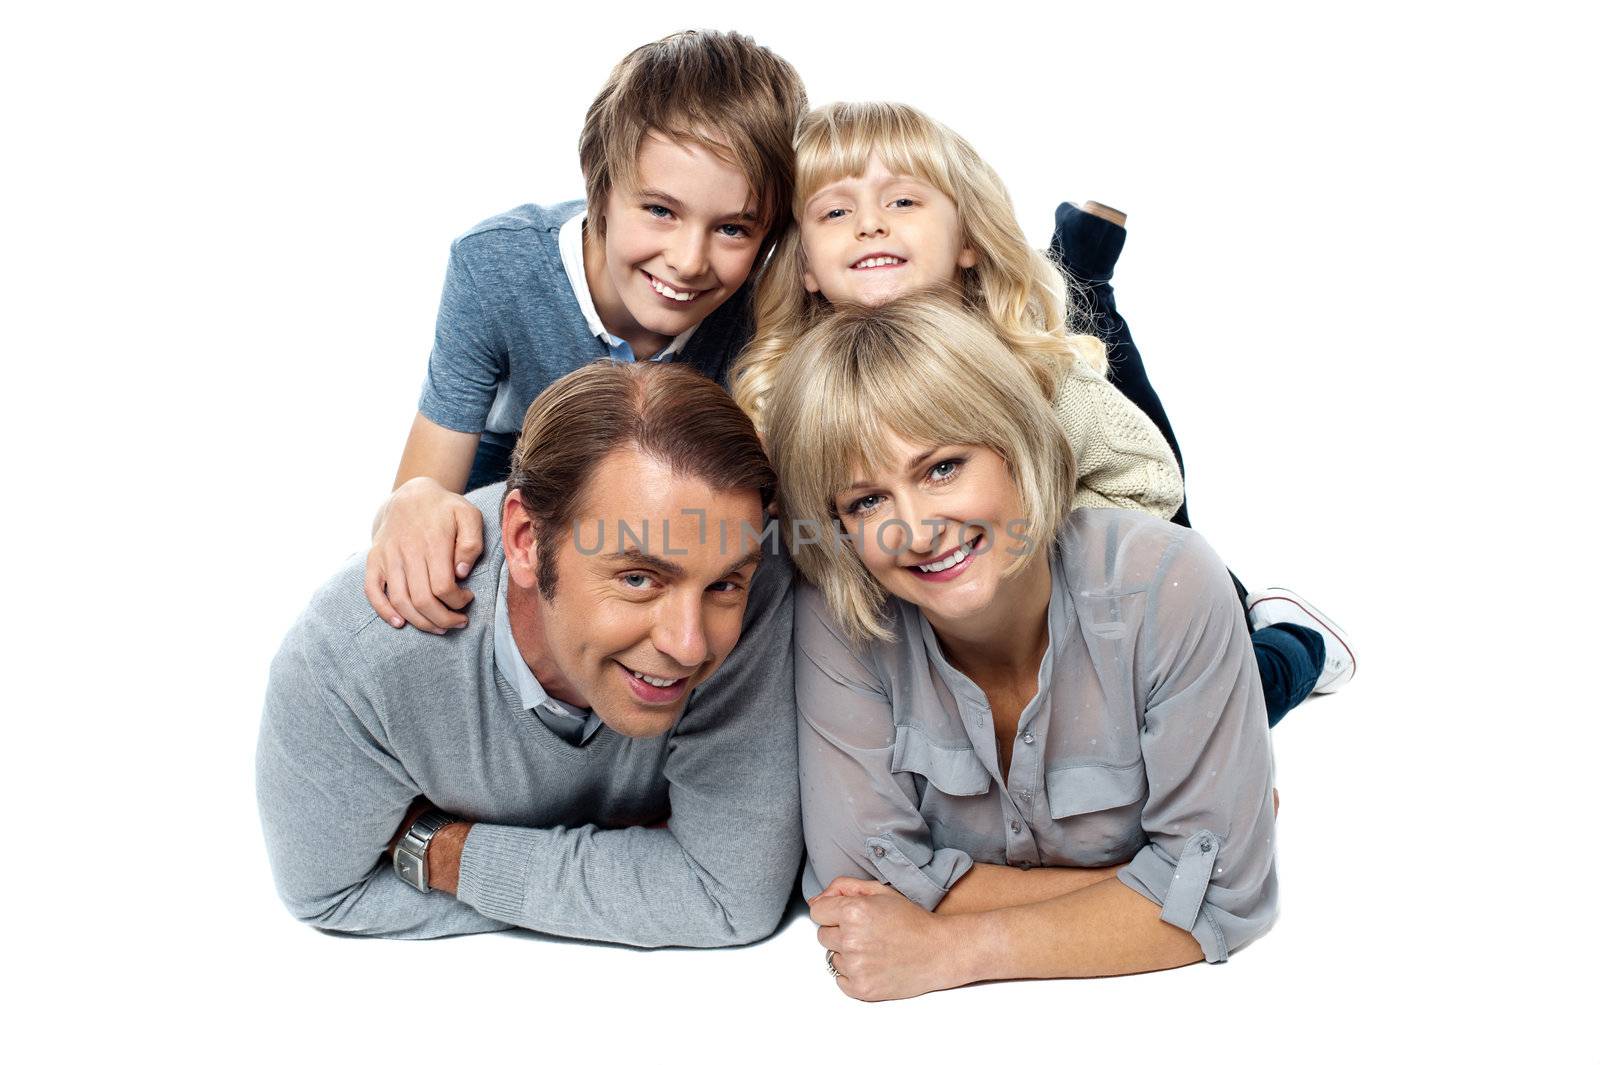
<point>1123,460</point>
<point>722,871</point>
<point>331,796</point>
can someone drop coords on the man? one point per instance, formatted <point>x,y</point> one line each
<point>590,757</point>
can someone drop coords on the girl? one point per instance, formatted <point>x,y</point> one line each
<point>889,203</point>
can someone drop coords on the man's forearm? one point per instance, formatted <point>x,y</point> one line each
<point>995,887</point>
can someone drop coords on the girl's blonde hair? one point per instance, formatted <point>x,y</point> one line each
<point>1022,293</point>
<point>930,372</point>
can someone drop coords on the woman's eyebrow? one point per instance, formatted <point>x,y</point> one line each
<point>916,461</point>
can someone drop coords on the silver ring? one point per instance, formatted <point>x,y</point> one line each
<point>831,970</point>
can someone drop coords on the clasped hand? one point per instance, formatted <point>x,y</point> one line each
<point>884,946</point>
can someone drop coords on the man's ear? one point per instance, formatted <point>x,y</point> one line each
<point>519,539</point>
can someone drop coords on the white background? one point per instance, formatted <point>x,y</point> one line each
<point>1359,268</point>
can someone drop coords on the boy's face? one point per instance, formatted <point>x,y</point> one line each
<point>675,247</point>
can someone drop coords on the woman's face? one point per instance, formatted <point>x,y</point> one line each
<point>880,236</point>
<point>938,527</point>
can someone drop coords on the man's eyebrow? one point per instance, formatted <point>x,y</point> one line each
<point>634,557</point>
<point>748,560</point>
<point>913,464</point>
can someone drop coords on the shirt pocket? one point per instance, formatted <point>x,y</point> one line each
<point>951,770</point>
<point>1097,811</point>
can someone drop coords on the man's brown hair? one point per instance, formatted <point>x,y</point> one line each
<point>722,91</point>
<point>668,411</point>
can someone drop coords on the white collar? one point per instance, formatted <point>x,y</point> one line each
<point>570,241</point>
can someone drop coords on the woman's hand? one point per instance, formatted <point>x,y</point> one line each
<point>426,538</point>
<point>853,887</point>
<point>885,946</point>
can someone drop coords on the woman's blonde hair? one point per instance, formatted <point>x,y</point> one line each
<point>1022,293</point>
<point>930,372</point>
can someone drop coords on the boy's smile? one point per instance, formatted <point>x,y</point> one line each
<point>675,247</point>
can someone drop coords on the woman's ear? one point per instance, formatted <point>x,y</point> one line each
<point>967,259</point>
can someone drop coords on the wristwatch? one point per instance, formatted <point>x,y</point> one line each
<point>411,853</point>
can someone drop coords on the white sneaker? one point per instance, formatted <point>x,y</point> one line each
<point>1275,605</point>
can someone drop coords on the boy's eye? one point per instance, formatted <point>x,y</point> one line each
<point>657,211</point>
<point>731,230</point>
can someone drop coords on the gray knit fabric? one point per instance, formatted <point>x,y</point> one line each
<point>362,718</point>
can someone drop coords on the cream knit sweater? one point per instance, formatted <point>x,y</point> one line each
<point>1123,461</point>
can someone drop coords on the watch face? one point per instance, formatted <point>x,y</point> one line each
<point>409,867</point>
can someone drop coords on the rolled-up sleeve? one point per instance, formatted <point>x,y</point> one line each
<point>861,818</point>
<point>1210,859</point>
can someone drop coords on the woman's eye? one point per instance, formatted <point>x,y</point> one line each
<point>862,505</point>
<point>943,471</point>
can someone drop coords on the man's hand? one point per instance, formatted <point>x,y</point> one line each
<point>444,849</point>
<point>886,946</point>
<point>426,538</point>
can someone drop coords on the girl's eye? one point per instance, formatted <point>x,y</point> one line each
<point>862,505</point>
<point>829,216</point>
<point>904,201</point>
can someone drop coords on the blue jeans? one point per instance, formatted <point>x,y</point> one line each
<point>1290,657</point>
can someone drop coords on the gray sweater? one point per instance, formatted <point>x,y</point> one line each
<point>362,718</point>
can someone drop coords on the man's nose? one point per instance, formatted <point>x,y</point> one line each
<point>680,630</point>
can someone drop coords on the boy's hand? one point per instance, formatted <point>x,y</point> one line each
<point>425,540</point>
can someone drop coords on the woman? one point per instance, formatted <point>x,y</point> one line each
<point>1032,739</point>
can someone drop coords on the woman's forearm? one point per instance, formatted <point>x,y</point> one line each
<point>1105,929</point>
<point>994,887</point>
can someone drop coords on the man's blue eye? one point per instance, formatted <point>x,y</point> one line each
<point>629,578</point>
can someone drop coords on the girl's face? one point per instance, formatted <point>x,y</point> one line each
<point>937,527</point>
<point>880,236</point>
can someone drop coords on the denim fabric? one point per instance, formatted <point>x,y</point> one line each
<point>1290,658</point>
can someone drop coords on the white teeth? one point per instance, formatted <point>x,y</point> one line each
<point>954,560</point>
<point>882,260</point>
<point>657,682</point>
<point>670,292</point>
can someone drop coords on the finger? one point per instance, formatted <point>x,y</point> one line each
<point>438,616</point>
<point>375,596</point>
<point>399,593</point>
<point>828,911</point>
<point>832,938</point>
<point>1274,802</point>
<point>442,580</point>
<point>469,541</point>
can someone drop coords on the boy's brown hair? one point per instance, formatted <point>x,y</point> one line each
<point>719,90</point>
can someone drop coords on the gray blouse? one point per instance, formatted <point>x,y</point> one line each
<point>1146,742</point>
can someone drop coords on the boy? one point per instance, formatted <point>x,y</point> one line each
<point>688,165</point>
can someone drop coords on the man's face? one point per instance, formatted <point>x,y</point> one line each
<point>676,246</point>
<point>646,605</point>
<point>880,236</point>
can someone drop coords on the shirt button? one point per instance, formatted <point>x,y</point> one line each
<point>1024,794</point>
<point>1205,846</point>
<point>1016,826</point>
<point>1027,737</point>
<point>878,852</point>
